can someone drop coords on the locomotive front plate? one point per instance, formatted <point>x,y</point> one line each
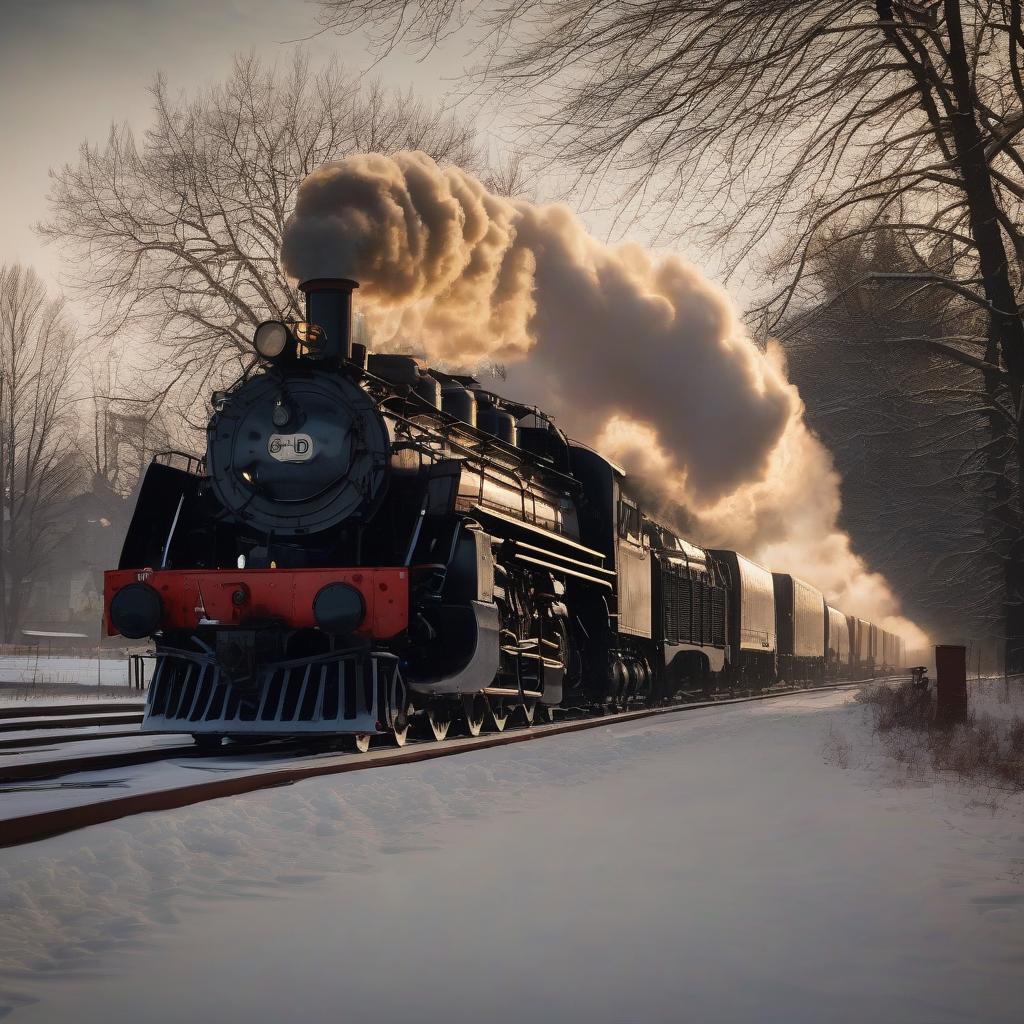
<point>290,447</point>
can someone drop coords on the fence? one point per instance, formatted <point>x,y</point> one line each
<point>30,665</point>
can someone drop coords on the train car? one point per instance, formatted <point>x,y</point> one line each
<point>888,651</point>
<point>853,624</point>
<point>896,647</point>
<point>874,648</point>
<point>862,649</point>
<point>752,634</point>
<point>663,624</point>
<point>690,609</point>
<point>837,643</point>
<point>800,629</point>
<point>620,639</point>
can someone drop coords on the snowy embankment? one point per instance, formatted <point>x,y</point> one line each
<point>31,670</point>
<point>708,866</point>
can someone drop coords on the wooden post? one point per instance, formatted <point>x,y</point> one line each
<point>951,683</point>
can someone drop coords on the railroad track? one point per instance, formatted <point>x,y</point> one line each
<point>49,711</point>
<point>50,722</point>
<point>46,725</point>
<point>43,797</point>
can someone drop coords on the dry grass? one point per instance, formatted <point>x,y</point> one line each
<point>66,692</point>
<point>984,748</point>
<point>837,749</point>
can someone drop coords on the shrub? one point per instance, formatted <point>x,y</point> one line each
<point>898,707</point>
<point>982,747</point>
<point>837,749</point>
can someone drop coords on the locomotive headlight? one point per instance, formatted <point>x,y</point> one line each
<point>270,338</point>
<point>339,608</point>
<point>136,610</point>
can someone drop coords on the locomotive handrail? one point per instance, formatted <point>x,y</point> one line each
<point>518,455</point>
<point>516,474</point>
<point>482,512</point>
<point>590,567</point>
<point>194,464</point>
<point>562,568</point>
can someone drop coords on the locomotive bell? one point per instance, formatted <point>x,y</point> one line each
<point>281,414</point>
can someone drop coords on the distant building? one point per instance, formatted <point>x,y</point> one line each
<point>67,593</point>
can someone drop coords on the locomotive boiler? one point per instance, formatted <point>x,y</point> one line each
<point>370,544</point>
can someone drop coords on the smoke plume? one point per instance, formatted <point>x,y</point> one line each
<point>644,358</point>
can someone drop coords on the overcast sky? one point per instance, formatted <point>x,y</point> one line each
<point>68,68</point>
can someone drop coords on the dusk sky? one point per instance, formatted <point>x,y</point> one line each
<point>68,68</point>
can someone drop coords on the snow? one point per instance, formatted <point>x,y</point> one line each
<point>103,741</point>
<point>709,866</point>
<point>993,696</point>
<point>32,697</point>
<point>32,668</point>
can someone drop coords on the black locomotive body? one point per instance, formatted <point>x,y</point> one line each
<point>368,542</point>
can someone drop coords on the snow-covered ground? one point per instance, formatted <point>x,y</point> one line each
<point>40,669</point>
<point>80,700</point>
<point>709,866</point>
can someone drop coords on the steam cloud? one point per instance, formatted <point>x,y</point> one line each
<point>642,357</point>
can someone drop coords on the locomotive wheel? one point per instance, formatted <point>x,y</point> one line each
<point>544,714</point>
<point>440,719</point>
<point>400,730</point>
<point>499,714</point>
<point>529,710</point>
<point>361,741</point>
<point>474,711</point>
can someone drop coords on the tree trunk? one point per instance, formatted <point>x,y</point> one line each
<point>1004,312</point>
<point>1013,599</point>
<point>3,517</point>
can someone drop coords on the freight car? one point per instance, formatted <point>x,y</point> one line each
<point>802,629</point>
<point>369,544</point>
<point>837,643</point>
<point>753,628</point>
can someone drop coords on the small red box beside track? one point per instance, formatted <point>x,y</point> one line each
<point>233,597</point>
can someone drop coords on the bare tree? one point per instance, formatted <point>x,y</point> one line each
<point>39,463</point>
<point>510,176</point>
<point>177,235</point>
<point>803,113</point>
<point>821,120</point>
<point>923,475</point>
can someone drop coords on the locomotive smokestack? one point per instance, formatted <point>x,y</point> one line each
<point>329,306</point>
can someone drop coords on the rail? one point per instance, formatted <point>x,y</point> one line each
<point>25,828</point>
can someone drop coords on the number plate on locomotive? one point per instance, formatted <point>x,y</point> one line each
<point>290,447</point>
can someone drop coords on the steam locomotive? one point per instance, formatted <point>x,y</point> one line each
<point>369,544</point>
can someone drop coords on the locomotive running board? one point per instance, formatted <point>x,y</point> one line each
<point>350,692</point>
